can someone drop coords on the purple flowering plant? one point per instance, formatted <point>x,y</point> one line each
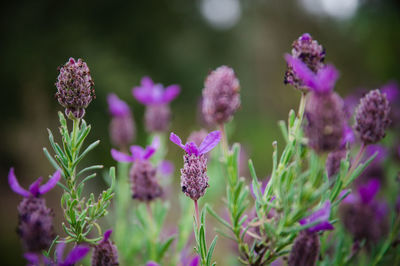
<point>304,213</point>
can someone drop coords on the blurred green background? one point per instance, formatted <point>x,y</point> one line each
<point>173,41</point>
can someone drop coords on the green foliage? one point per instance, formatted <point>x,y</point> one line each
<point>80,214</point>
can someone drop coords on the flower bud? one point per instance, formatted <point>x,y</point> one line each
<point>221,96</point>
<point>157,117</point>
<point>145,186</point>
<point>372,117</point>
<point>194,179</point>
<point>305,250</point>
<point>105,253</point>
<point>75,88</point>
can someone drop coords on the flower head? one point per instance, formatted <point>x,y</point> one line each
<point>310,53</point>
<point>221,96</point>
<point>105,253</point>
<point>194,179</point>
<point>154,94</point>
<point>157,117</point>
<point>122,126</point>
<point>321,81</point>
<point>35,189</point>
<point>333,161</point>
<point>320,217</point>
<point>372,117</point>
<point>75,87</point>
<point>305,250</point>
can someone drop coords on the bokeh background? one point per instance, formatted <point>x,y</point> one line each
<point>173,41</point>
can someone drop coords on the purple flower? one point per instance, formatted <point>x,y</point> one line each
<point>208,143</point>
<point>105,253</point>
<point>35,189</point>
<point>321,217</point>
<point>194,179</point>
<point>75,88</point>
<point>368,191</point>
<point>381,152</point>
<point>322,81</point>
<point>372,117</point>
<point>310,53</point>
<point>333,161</point>
<point>122,127</point>
<point>305,249</point>
<point>153,94</point>
<point>348,136</point>
<point>392,91</point>
<point>221,97</point>
<point>166,168</point>
<point>137,152</point>
<point>75,255</point>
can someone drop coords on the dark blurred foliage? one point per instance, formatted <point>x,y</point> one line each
<point>170,41</point>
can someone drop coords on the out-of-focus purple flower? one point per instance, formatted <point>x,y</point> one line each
<point>310,53</point>
<point>137,152</point>
<point>35,189</point>
<point>105,253</point>
<point>75,255</point>
<point>221,97</point>
<point>194,179</point>
<point>392,91</point>
<point>372,117</point>
<point>75,88</point>
<point>166,168</point>
<point>348,136</point>
<point>322,81</point>
<point>197,136</point>
<point>152,94</point>
<point>305,249</point>
<point>35,259</point>
<point>156,98</point>
<point>381,152</point>
<point>333,161</point>
<point>325,127</point>
<point>122,127</point>
<point>152,263</point>
<point>362,215</point>
<point>321,217</point>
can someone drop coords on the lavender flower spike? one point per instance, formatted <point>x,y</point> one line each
<point>75,88</point>
<point>221,97</point>
<point>372,117</point>
<point>194,179</point>
<point>35,189</point>
<point>122,127</point>
<point>321,217</point>
<point>105,253</point>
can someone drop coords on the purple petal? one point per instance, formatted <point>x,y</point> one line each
<point>147,82</point>
<point>137,152</point>
<point>381,210</point>
<point>392,91</point>
<point>191,148</point>
<point>32,258</point>
<point>381,151</point>
<point>116,106</point>
<point>302,71</point>
<point>34,187</point>
<point>321,216</point>
<point>13,182</point>
<point>368,191</point>
<point>152,263</point>
<point>210,142</point>
<point>120,156</point>
<point>170,93</point>
<point>107,235</point>
<point>76,254</point>
<point>60,251</point>
<point>166,168</point>
<point>323,226</point>
<point>349,199</point>
<point>148,152</point>
<point>155,143</point>
<point>175,139</point>
<point>195,261</point>
<point>326,79</point>
<point>348,136</point>
<point>51,183</point>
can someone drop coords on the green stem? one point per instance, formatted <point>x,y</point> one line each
<point>225,146</point>
<point>153,233</point>
<point>196,209</point>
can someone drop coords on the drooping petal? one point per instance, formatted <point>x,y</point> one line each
<point>51,183</point>
<point>32,258</point>
<point>116,106</point>
<point>147,82</point>
<point>326,79</point>
<point>210,142</point>
<point>76,254</point>
<point>107,235</point>
<point>60,251</point>
<point>137,152</point>
<point>195,261</point>
<point>170,93</point>
<point>120,156</point>
<point>302,71</point>
<point>143,95</point>
<point>175,139</point>
<point>321,216</point>
<point>13,182</point>
<point>166,168</point>
<point>149,151</point>
<point>368,191</point>
<point>34,187</point>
